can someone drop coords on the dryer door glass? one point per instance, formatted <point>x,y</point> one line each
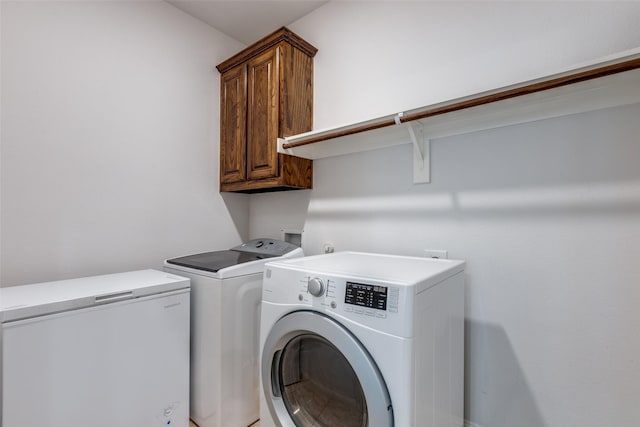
<point>318,385</point>
<point>315,373</point>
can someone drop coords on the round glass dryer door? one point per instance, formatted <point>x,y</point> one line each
<point>317,374</point>
<point>318,385</point>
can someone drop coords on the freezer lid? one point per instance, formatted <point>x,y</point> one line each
<point>20,302</point>
<point>252,250</point>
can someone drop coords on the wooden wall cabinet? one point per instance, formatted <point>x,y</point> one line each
<point>266,92</point>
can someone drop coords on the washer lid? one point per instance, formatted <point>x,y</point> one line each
<point>214,261</point>
<point>252,250</point>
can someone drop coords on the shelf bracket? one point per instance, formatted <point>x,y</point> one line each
<point>421,153</point>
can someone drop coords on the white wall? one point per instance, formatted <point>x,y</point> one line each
<point>109,139</point>
<point>381,57</point>
<point>546,214</point>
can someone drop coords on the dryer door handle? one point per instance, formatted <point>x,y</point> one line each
<point>275,376</point>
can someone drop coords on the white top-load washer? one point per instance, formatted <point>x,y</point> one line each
<point>356,339</point>
<point>226,289</point>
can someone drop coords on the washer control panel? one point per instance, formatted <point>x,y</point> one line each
<point>265,247</point>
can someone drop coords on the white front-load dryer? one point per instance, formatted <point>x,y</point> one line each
<point>356,339</point>
<point>226,291</point>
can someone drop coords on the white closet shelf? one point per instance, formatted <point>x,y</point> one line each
<point>608,82</point>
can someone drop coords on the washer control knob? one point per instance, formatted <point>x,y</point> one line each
<point>315,287</point>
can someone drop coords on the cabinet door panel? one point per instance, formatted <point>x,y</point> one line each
<point>262,115</point>
<point>233,107</point>
<point>296,91</point>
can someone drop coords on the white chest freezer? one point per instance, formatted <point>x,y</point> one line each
<point>100,351</point>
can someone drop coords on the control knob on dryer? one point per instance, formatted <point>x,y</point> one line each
<point>315,287</point>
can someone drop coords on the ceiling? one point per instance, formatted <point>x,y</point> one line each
<point>247,20</point>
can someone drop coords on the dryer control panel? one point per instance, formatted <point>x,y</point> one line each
<point>381,292</point>
<point>368,296</point>
<point>381,305</point>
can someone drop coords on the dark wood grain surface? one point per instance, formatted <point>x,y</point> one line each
<point>277,102</point>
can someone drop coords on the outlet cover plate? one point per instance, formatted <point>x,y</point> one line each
<point>435,253</point>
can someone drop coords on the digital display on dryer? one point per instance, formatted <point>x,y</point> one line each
<point>370,296</point>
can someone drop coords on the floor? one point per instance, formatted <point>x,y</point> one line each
<point>256,424</point>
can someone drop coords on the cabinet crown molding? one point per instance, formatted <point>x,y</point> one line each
<point>283,34</point>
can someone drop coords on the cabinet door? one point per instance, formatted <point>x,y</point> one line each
<point>262,115</point>
<point>233,107</point>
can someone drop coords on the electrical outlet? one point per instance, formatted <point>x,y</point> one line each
<point>436,253</point>
<point>328,248</point>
